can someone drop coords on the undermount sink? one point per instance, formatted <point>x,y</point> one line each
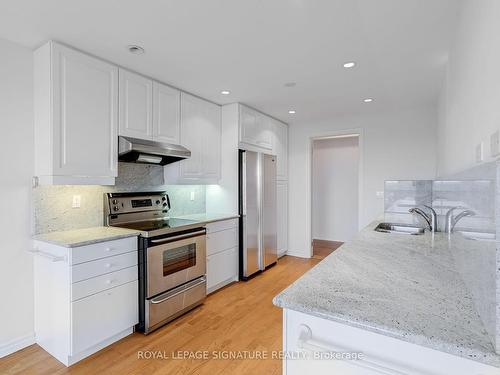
<point>399,228</point>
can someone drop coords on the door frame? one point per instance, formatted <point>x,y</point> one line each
<point>356,132</point>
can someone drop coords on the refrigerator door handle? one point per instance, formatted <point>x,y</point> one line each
<point>244,183</point>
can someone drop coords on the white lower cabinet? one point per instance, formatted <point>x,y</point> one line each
<point>102,315</point>
<point>222,254</point>
<point>311,342</point>
<point>84,301</point>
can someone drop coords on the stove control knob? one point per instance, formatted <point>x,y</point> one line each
<point>158,202</point>
<point>163,198</point>
<point>115,208</point>
<point>164,205</point>
<point>114,201</point>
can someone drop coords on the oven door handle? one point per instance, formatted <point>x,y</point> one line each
<point>156,301</point>
<point>179,237</point>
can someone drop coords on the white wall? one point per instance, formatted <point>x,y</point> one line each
<point>393,145</point>
<point>470,101</point>
<point>16,170</point>
<point>335,188</point>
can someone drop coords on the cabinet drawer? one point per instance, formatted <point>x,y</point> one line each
<point>103,315</point>
<point>102,250</point>
<point>103,266</point>
<point>221,267</point>
<point>222,240</point>
<point>221,225</point>
<point>97,284</point>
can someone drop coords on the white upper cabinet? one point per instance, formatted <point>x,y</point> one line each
<point>254,128</point>
<point>200,132</point>
<point>280,149</point>
<point>76,111</point>
<point>136,105</point>
<point>166,113</point>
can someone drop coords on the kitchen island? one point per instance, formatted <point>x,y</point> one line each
<point>397,298</point>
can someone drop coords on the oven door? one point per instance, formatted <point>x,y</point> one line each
<point>175,260</point>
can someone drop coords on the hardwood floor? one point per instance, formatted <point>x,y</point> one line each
<point>323,248</point>
<point>240,317</point>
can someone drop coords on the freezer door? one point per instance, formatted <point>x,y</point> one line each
<point>269,211</point>
<point>250,203</point>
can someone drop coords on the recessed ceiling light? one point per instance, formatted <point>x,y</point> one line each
<point>350,64</point>
<point>368,100</point>
<point>136,50</point>
<point>225,92</point>
<point>292,112</point>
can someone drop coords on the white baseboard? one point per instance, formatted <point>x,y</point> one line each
<point>298,255</point>
<point>17,344</point>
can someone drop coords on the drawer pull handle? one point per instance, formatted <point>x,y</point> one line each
<point>306,342</point>
<point>108,249</point>
<point>110,281</point>
<point>108,265</point>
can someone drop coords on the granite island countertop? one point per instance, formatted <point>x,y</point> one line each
<point>402,286</point>
<point>85,236</point>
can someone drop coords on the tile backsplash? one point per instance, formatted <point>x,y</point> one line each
<point>52,209</point>
<point>442,195</point>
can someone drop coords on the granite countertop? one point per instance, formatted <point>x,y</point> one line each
<point>86,236</point>
<point>402,286</point>
<point>205,218</point>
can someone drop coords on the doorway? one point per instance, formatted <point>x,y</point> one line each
<point>335,192</point>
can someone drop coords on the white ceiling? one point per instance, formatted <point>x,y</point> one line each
<point>253,47</point>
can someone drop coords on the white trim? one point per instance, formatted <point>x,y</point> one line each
<point>297,254</point>
<point>17,344</point>
<point>357,132</point>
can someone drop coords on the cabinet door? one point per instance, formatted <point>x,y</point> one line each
<point>103,315</point>
<point>212,135</point>
<point>282,210</point>
<point>280,149</point>
<point>249,125</point>
<point>191,137</point>
<point>201,134</point>
<point>136,105</point>
<point>264,136</point>
<point>221,268</point>
<point>166,113</point>
<point>85,114</point>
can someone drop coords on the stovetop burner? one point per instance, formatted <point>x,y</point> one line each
<point>152,225</point>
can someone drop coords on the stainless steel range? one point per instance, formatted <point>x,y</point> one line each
<point>172,259</point>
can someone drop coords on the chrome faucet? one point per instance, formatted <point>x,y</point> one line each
<point>451,220</point>
<point>430,218</point>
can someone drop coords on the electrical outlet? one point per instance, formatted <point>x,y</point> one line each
<point>495,144</point>
<point>479,152</point>
<point>192,196</point>
<point>77,200</point>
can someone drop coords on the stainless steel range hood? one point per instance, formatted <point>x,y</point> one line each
<point>134,150</point>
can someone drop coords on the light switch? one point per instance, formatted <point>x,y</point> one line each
<point>479,152</point>
<point>192,196</point>
<point>495,144</point>
<point>77,200</point>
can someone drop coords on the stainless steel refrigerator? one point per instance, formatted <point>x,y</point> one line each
<point>258,215</point>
